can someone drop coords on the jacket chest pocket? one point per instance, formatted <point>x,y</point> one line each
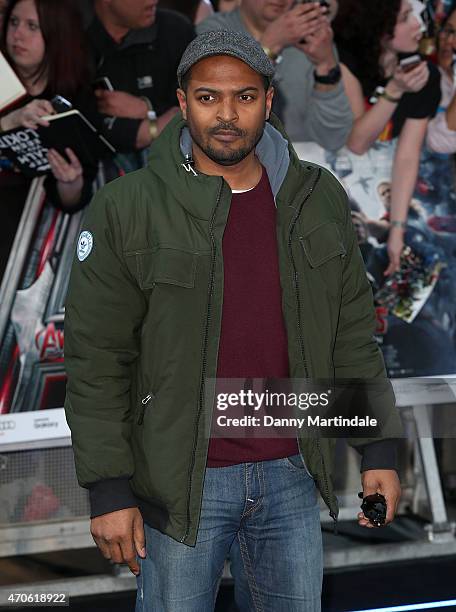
<point>166,265</point>
<point>167,277</point>
<point>324,251</point>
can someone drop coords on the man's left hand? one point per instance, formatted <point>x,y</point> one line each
<point>385,482</point>
<point>121,104</point>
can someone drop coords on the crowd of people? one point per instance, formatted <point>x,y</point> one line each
<point>340,79</point>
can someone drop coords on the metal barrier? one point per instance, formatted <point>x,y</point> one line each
<point>43,508</point>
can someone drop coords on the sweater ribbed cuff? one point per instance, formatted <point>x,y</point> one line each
<point>381,455</point>
<point>110,495</point>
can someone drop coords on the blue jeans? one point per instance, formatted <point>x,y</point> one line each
<point>265,517</point>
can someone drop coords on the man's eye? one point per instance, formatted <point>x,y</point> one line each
<point>206,98</point>
<point>246,97</point>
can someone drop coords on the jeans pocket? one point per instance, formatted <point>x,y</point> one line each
<point>297,464</point>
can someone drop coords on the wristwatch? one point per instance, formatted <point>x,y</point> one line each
<point>152,117</point>
<point>153,128</point>
<point>275,58</point>
<point>382,93</point>
<point>333,76</point>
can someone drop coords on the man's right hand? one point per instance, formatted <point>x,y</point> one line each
<point>293,26</point>
<point>120,535</point>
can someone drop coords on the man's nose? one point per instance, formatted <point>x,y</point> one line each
<point>226,111</point>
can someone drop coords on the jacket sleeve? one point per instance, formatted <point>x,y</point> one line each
<point>103,317</point>
<point>358,356</point>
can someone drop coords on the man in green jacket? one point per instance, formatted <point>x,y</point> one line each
<point>227,257</point>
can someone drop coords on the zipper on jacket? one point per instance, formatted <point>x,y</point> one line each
<point>204,354</point>
<point>144,402</point>
<point>301,338</point>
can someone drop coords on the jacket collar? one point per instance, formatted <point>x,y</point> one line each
<point>272,152</point>
<point>171,161</point>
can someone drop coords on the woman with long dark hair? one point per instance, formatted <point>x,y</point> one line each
<point>44,43</point>
<point>387,100</point>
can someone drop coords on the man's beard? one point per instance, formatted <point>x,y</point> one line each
<point>225,157</point>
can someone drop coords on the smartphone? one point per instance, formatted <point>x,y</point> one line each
<point>103,83</point>
<point>411,62</point>
<point>61,104</point>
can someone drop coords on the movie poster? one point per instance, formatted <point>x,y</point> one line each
<point>416,307</point>
<point>32,294</point>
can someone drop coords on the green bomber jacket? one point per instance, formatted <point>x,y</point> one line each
<point>143,316</point>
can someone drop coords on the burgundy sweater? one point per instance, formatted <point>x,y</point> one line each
<point>253,341</point>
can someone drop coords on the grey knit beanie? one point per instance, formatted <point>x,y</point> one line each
<point>224,42</point>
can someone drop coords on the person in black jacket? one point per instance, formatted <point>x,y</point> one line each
<point>137,48</point>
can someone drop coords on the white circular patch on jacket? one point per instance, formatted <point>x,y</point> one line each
<point>85,244</point>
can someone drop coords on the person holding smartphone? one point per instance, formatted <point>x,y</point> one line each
<point>310,97</point>
<point>391,95</point>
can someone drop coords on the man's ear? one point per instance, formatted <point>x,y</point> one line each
<point>182,97</point>
<point>269,98</point>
